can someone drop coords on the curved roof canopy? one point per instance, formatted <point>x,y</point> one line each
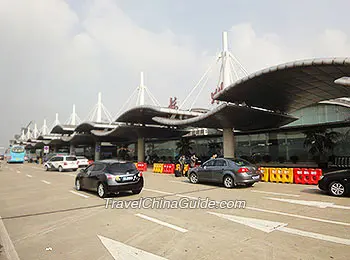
<point>291,86</point>
<point>63,129</point>
<point>144,114</point>
<point>131,133</point>
<point>86,127</point>
<point>232,116</point>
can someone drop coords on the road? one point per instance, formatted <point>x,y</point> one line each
<point>43,217</point>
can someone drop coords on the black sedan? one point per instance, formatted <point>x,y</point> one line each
<point>110,176</point>
<point>337,183</point>
<point>230,172</point>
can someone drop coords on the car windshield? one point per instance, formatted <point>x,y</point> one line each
<point>70,159</point>
<point>81,157</point>
<point>241,162</point>
<point>121,168</point>
<point>17,150</point>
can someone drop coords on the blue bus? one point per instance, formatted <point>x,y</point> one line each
<point>15,154</point>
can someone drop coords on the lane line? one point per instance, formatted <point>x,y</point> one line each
<point>18,171</point>
<point>327,238</point>
<point>181,182</point>
<point>269,211</point>
<point>79,194</point>
<point>8,247</point>
<point>299,216</point>
<point>28,175</point>
<point>311,203</point>
<point>276,193</point>
<point>158,191</point>
<point>47,182</point>
<point>162,223</point>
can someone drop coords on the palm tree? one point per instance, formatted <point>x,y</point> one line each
<point>319,143</point>
<point>184,146</point>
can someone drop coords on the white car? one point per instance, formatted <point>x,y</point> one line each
<point>62,163</point>
<point>82,161</point>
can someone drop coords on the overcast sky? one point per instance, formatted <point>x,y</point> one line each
<point>54,53</point>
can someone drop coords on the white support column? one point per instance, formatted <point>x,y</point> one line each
<point>28,133</point>
<point>57,122</point>
<point>142,91</point>
<point>99,108</point>
<point>140,149</point>
<point>229,143</point>
<point>73,116</point>
<point>44,130</point>
<point>35,131</point>
<point>225,61</point>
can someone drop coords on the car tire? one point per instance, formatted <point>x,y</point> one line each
<point>46,168</point>
<point>337,189</point>
<point>60,168</point>
<point>101,190</point>
<point>193,178</point>
<point>136,191</point>
<point>228,182</point>
<point>78,185</point>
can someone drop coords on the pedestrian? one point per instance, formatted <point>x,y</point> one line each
<point>193,160</point>
<point>182,161</point>
<point>214,156</point>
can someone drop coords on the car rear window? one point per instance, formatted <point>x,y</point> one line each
<point>241,162</point>
<point>121,168</point>
<point>70,159</point>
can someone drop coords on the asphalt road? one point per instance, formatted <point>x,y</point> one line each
<point>43,217</point>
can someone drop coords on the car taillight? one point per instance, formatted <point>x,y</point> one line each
<point>140,174</point>
<point>243,169</point>
<point>65,163</point>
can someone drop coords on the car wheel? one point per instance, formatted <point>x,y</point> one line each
<point>101,191</point>
<point>193,178</point>
<point>60,169</point>
<point>77,184</point>
<point>136,191</point>
<point>337,189</point>
<point>228,181</point>
<point>46,168</point>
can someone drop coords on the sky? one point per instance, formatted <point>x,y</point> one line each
<point>56,53</point>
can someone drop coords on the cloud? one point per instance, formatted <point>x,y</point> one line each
<point>258,51</point>
<point>54,56</point>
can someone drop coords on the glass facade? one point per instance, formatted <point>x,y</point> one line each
<point>285,146</point>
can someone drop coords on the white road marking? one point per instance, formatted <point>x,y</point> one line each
<point>185,196</point>
<point>174,194</point>
<point>79,194</point>
<point>162,223</point>
<point>182,182</point>
<point>276,193</point>
<point>5,240</point>
<point>28,175</point>
<point>319,204</point>
<point>120,251</point>
<point>270,226</point>
<point>18,171</point>
<point>47,182</point>
<point>158,191</point>
<point>299,216</point>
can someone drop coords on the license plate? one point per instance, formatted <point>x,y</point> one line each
<point>255,177</point>
<point>127,178</point>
